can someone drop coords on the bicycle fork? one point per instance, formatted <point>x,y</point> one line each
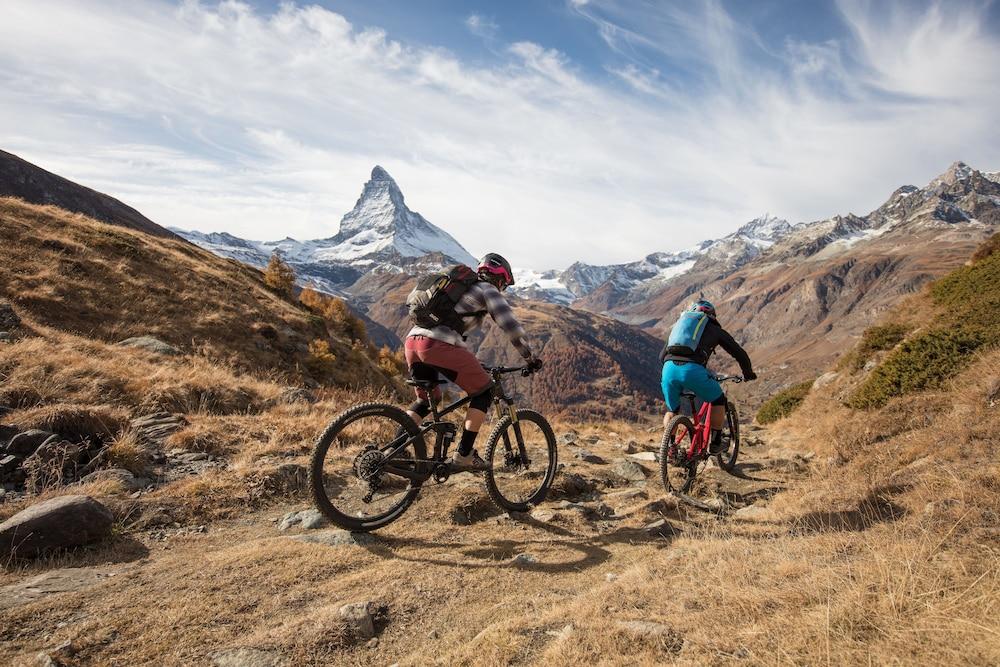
<point>522,451</point>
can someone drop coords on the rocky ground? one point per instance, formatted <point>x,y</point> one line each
<point>447,583</point>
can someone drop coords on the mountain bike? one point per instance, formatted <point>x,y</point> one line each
<point>371,462</point>
<point>685,447</point>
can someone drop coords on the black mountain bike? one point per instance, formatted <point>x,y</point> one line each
<point>685,447</point>
<point>369,465</point>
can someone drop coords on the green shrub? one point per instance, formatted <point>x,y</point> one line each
<point>923,362</point>
<point>876,339</point>
<point>783,403</point>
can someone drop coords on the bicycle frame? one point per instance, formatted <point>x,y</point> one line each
<point>445,431</point>
<point>703,422</point>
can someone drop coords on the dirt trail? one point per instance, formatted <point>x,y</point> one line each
<point>452,569</point>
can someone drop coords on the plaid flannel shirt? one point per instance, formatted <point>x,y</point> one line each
<point>480,297</point>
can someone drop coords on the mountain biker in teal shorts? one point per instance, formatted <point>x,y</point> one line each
<point>685,357</point>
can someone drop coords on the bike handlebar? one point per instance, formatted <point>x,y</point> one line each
<point>504,370</point>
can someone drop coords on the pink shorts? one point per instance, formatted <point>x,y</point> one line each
<point>455,363</point>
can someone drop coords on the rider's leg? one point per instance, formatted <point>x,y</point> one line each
<point>671,386</point>
<point>474,419</point>
<point>718,423</point>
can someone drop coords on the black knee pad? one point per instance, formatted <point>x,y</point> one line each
<point>421,407</point>
<point>481,401</point>
<point>720,401</point>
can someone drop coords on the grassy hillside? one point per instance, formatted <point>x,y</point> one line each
<point>962,314</point>
<point>72,274</point>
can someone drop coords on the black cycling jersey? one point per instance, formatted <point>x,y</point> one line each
<point>713,336</point>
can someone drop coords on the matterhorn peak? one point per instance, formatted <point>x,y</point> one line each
<point>380,174</point>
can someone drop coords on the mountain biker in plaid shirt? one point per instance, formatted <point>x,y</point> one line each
<point>443,350</point>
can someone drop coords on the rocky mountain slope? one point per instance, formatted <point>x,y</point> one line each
<point>804,299</point>
<point>21,179</point>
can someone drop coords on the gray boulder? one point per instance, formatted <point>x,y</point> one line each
<point>65,521</point>
<point>150,344</point>
<point>336,538</point>
<point>25,444</point>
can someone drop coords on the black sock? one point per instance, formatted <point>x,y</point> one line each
<point>467,441</point>
<point>716,436</point>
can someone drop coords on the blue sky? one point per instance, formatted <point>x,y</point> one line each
<point>552,131</point>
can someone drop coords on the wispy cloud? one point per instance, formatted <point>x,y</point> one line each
<point>482,26</point>
<point>265,124</point>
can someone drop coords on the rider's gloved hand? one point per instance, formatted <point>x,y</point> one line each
<point>750,377</point>
<point>534,363</point>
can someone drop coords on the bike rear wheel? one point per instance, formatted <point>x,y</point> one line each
<point>731,434</point>
<point>513,485</point>
<point>347,475</point>
<point>676,472</point>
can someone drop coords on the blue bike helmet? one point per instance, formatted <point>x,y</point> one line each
<point>703,306</point>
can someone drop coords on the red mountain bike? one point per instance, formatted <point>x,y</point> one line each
<point>685,442</point>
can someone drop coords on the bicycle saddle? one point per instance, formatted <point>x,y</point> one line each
<point>424,376</point>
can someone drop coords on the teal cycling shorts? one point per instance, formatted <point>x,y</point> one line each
<point>691,376</point>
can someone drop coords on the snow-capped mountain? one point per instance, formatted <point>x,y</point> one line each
<point>580,280</point>
<point>379,233</point>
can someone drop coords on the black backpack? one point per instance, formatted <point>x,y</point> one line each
<point>432,302</point>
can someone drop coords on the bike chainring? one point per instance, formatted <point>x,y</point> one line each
<point>442,471</point>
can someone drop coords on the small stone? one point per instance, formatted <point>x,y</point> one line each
<point>150,344</point>
<point>373,642</point>
<point>247,657</point>
<point>5,337</point>
<point>543,515</point>
<point>562,633</point>
<point>825,379</point>
<point>523,559</point>
<point>631,447</point>
<point>289,520</point>
<point>591,439</point>
<point>191,457</point>
<point>587,456</point>
<point>754,513</point>
<point>644,456</point>
<point>312,519</point>
<point>610,576</point>
<point>359,620</point>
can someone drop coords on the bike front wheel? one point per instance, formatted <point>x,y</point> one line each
<point>677,472</point>
<point>348,476</point>
<point>513,483</point>
<point>731,435</point>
